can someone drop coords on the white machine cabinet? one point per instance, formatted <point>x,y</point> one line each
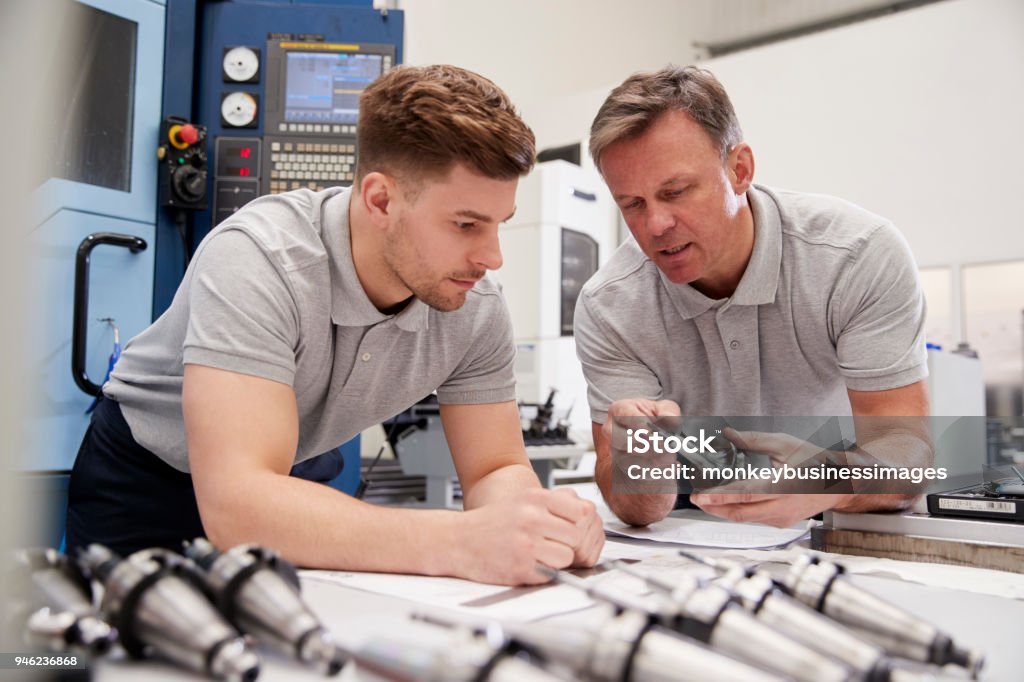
<point>562,232</point>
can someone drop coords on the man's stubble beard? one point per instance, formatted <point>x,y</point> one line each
<point>418,278</point>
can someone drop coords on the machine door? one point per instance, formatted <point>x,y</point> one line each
<point>105,70</point>
<point>119,288</point>
<point>106,75</point>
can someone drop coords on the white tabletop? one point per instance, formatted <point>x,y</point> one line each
<point>979,608</point>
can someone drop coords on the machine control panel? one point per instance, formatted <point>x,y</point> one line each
<point>308,112</point>
<point>310,164</point>
<point>237,174</point>
<point>239,109</point>
<point>183,164</point>
<point>236,179</point>
<point>241,64</point>
<point>312,109</point>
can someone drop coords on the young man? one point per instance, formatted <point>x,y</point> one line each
<point>735,299</point>
<point>307,317</point>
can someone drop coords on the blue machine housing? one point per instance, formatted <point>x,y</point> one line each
<point>176,70</point>
<point>243,22</point>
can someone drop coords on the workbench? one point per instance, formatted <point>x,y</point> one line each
<point>980,608</point>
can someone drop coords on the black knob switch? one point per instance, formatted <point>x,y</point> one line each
<point>189,184</point>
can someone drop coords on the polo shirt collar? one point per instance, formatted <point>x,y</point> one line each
<point>760,280</point>
<point>350,306</point>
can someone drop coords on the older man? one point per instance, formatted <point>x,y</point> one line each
<point>737,299</point>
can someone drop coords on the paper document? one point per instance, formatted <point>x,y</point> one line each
<point>484,601</point>
<point>693,527</point>
<point>697,529</point>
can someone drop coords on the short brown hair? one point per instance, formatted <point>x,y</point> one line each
<point>633,106</point>
<point>420,121</point>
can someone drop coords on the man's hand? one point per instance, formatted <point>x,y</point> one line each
<point>588,551</point>
<point>621,410</point>
<point>782,448</point>
<point>636,508</point>
<point>892,430</point>
<point>764,501</point>
<point>774,509</point>
<point>503,542</point>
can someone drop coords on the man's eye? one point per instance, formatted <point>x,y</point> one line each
<point>632,205</point>
<point>465,226</point>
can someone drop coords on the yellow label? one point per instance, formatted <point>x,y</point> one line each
<point>327,47</point>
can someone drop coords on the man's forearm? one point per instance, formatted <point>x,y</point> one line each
<point>500,483</point>
<point>900,448</point>
<point>637,509</point>
<point>867,502</point>
<point>905,449</point>
<point>316,526</point>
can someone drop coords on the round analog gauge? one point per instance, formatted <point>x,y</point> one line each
<point>241,64</point>
<point>238,109</point>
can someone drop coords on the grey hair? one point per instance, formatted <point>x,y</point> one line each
<point>632,107</point>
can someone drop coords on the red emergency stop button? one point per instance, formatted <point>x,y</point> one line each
<point>188,134</point>
<point>182,136</point>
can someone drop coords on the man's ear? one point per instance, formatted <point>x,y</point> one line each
<point>740,165</point>
<point>377,192</point>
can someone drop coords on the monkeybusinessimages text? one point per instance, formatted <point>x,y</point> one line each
<point>645,441</point>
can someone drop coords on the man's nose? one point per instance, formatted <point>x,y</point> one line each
<point>487,254</point>
<point>659,220</point>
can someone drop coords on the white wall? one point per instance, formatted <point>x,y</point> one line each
<point>536,50</point>
<point>915,116</point>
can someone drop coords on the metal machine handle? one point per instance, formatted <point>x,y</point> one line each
<point>79,325</point>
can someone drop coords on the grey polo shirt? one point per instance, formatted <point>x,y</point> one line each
<point>272,292</point>
<point>830,300</point>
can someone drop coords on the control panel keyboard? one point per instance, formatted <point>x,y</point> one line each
<point>315,165</point>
